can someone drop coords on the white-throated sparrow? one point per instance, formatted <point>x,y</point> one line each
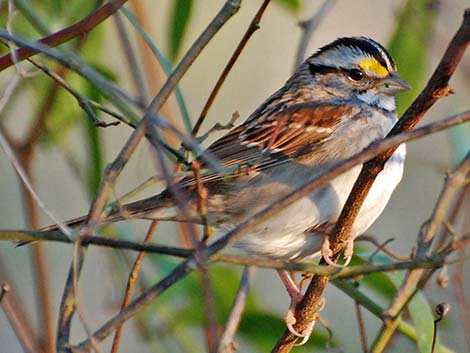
<point>339,101</point>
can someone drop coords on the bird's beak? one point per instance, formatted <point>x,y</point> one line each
<point>393,84</point>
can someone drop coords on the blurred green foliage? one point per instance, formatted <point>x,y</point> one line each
<point>180,16</point>
<point>292,5</point>
<point>178,26</point>
<point>386,285</point>
<point>181,307</point>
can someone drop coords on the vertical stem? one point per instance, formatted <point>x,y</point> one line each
<point>39,266</point>
<point>67,305</point>
<point>362,331</point>
<point>131,283</point>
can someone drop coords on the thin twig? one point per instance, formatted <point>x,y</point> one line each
<point>362,330</point>
<point>254,25</point>
<point>226,342</point>
<point>67,306</point>
<point>19,323</point>
<point>131,282</point>
<point>77,262</point>
<point>80,28</point>
<point>381,247</point>
<point>82,100</point>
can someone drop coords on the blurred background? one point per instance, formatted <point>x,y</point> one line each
<point>71,154</point>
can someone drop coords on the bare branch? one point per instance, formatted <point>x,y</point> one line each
<point>226,341</point>
<point>64,35</point>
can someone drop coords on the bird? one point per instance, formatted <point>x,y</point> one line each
<point>339,101</point>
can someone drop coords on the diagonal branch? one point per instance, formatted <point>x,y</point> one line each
<point>81,28</point>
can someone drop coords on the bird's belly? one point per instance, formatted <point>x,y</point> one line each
<point>289,233</point>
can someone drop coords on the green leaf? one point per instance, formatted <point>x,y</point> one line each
<point>95,150</point>
<point>291,5</point>
<point>409,46</point>
<point>378,282</point>
<point>460,139</point>
<point>179,20</point>
<point>262,329</point>
<point>421,313</point>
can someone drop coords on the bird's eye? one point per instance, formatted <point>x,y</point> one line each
<point>355,74</point>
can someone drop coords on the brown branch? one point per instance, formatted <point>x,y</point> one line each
<point>381,247</point>
<point>252,28</point>
<point>19,324</point>
<point>68,305</point>
<point>131,282</point>
<point>435,89</point>
<point>78,29</point>
<point>362,330</point>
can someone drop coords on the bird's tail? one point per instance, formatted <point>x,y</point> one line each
<point>159,207</point>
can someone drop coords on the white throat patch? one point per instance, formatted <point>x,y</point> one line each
<point>382,101</point>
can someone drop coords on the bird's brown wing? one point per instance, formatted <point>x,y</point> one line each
<point>273,139</point>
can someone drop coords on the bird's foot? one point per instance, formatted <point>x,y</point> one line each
<point>296,297</point>
<point>290,322</point>
<point>326,252</point>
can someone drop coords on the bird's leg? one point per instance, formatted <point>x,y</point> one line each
<point>296,296</point>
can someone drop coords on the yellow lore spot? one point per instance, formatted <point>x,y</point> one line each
<point>372,65</point>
